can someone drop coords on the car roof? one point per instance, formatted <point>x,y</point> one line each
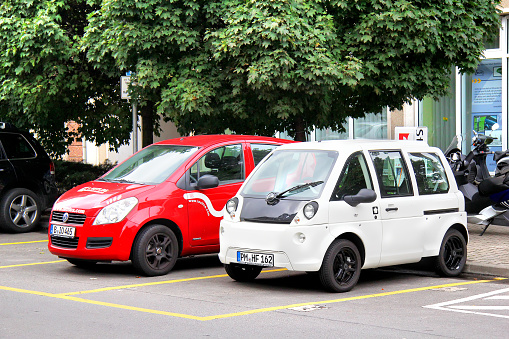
<point>207,140</point>
<point>360,144</point>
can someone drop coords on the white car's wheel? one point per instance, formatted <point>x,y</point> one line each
<point>341,267</point>
<point>453,254</point>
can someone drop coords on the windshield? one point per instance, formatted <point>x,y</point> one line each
<point>151,165</point>
<point>455,143</point>
<point>292,174</point>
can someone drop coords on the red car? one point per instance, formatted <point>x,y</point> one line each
<point>162,203</point>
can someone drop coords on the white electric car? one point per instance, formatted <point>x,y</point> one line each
<point>336,207</point>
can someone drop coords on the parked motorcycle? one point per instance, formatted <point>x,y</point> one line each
<point>486,196</point>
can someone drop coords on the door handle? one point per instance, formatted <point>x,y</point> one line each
<point>390,209</point>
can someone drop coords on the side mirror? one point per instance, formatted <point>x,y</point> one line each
<point>207,181</point>
<point>365,195</point>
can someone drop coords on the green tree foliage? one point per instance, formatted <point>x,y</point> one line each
<point>46,80</point>
<point>258,66</point>
<point>253,66</point>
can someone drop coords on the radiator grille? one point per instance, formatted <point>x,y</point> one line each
<point>64,242</point>
<point>73,218</point>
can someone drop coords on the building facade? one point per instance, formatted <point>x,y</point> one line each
<point>477,102</point>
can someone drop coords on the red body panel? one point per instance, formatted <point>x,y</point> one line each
<point>193,214</point>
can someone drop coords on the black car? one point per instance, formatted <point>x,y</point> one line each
<point>27,180</point>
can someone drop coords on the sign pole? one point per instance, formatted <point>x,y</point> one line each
<point>135,127</point>
<point>124,94</point>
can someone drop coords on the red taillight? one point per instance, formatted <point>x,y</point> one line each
<point>52,168</point>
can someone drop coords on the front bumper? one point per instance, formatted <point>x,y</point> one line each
<point>95,242</point>
<point>281,240</point>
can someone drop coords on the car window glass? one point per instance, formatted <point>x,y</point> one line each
<point>152,165</point>
<point>429,173</point>
<point>392,174</point>
<point>260,151</point>
<point>16,146</point>
<point>288,169</point>
<point>226,163</point>
<point>354,177</point>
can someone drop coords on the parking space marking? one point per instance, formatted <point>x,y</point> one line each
<point>454,307</point>
<point>93,302</point>
<point>113,288</point>
<point>236,314</point>
<point>22,242</point>
<point>384,294</point>
<point>34,263</point>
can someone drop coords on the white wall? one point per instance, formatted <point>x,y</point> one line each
<point>99,154</point>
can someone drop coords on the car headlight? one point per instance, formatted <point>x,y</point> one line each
<point>231,206</point>
<point>115,212</point>
<point>310,209</point>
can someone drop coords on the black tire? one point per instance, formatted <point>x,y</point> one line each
<point>155,251</point>
<point>20,211</point>
<point>82,263</point>
<point>242,273</point>
<point>341,267</point>
<point>452,257</point>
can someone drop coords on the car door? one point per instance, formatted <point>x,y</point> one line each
<point>16,160</point>
<point>433,195</point>
<point>402,216</point>
<point>7,173</point>
<point>362,219</point>
<point>205,206</point>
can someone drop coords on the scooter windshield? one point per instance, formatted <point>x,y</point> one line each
<point>455,143</point>
<point>292,174</point>
<point>151,165</point>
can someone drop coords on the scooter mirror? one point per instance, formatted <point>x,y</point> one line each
<point>495,126</point>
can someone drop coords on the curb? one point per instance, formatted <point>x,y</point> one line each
<point>485,269</point>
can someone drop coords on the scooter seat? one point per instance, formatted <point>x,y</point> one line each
<point>493,185</point>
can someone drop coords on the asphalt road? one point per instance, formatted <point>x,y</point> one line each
<point>42,296</point>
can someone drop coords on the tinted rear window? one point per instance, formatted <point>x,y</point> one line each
<point>16,146</point>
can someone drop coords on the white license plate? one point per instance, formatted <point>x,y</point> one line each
<point>255,258</point>
<point>63,231</point>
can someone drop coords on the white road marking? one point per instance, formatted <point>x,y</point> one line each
<point>452,305</point>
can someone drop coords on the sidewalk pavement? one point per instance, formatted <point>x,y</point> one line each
<point>489,253</point>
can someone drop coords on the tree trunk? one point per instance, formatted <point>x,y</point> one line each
<point>147,124</point>
<point>300,129</point>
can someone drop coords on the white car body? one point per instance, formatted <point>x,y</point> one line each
<point>392,229</point>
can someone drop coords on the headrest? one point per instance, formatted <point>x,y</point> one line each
<point>212,160</point>
<point>229,162</point>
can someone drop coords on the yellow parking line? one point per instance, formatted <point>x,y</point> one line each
<point>268,309</point>
<point>23,242</point>
<point>157,283</point>
<point>31,264</point>
<point>229,315</point>
<point>93,302</point>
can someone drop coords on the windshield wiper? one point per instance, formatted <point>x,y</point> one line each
<point>124,181</point>
<point>299,188</point>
